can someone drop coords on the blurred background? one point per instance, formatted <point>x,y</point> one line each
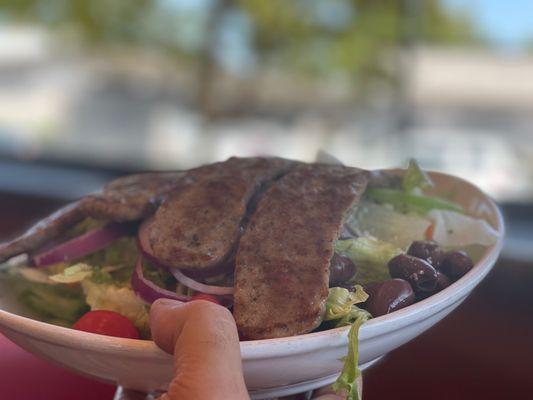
<point>93,89</point>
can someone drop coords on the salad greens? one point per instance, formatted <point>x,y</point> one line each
<point>347,380</point>
<point>73,274</point>
<point>341,308</point>
<point>410,198</point>
<point>410,202</point>
<point>57,304</point>
<point>384,222</point>
<point>371,256</point>
<point>415,178</point>
<point>62,293</point>
<point>340,301</point>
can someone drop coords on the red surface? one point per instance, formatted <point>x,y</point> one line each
<point>25,377</point>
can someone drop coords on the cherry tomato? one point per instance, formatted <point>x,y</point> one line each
<point>206,297</point>
<point>108,323</point>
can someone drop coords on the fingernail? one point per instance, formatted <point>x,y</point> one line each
<point>167,303</point>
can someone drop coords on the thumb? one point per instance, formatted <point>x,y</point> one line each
<point>203,338</point>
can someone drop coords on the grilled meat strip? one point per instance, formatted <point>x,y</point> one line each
<point>133,197</point>
<point>282,264</point>
<point>125,199</point>
<point>198,228</point>
<point>40,233</point>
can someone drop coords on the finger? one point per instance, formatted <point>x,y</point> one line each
<point>204,340</point>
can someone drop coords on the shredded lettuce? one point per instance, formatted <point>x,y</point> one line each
<point>385,223</point>
<point>73,274</point>
<point>341,308</point>
<point>415,178</point>
<point>58,304</point>
<point>410,198</point>
<point>410,202</point>
<point>340,301</point>
<point>347,380</point>
<point>370,255</point>
<point>101,275</point>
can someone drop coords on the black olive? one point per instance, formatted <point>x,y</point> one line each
<point>426,250</point>
<point>455,264</point>
<point>388,296</point>
<point>442,283</point>
<point>341,270</point>
<point>419,273</point>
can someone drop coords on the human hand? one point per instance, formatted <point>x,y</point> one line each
<point>203,338</point>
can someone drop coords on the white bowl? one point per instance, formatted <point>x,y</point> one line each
<point>272,367</point>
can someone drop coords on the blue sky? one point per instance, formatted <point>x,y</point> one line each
<point>507,23</point>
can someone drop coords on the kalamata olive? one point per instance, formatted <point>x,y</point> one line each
<point>389,296</point>
<point>455,264</point>
<point>372,287</point>
<point>419,273</point>
<point>341,269</point>
<point>442,281</point>
<point>426,250</point>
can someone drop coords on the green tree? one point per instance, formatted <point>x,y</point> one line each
<point>314,38</point>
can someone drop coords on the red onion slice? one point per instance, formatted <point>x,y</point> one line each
<point>80,246</point>
<point>149,291</point>
<point>200,287</point>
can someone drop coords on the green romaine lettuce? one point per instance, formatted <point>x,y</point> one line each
<point>410,202</point>
<point>370,255</point>
<point>347,380</point>
<point>414,177</point>
<point>73,274</point>
<point>340,301</point>
<point>383,222</point>
<point>341,308</point>
<point>58,304</point>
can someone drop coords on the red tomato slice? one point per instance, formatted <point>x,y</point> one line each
<point>206,297</point>
<point>108,323</point>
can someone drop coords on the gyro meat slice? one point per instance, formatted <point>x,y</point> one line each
<point>197,228</point>
<point>283,259</point>
<point>128,198</point>
<point>133,197</point>
<point>43,231</point>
